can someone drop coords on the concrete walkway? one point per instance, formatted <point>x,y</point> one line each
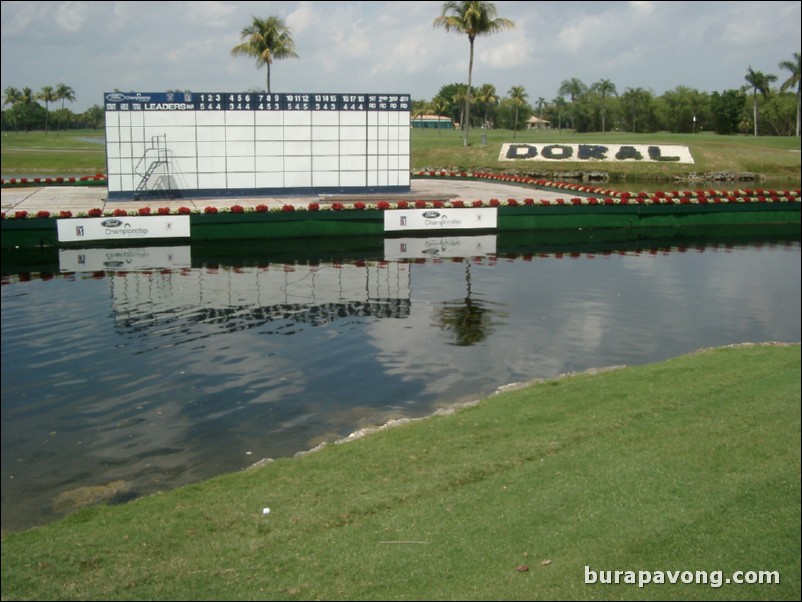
<point>83,198</point>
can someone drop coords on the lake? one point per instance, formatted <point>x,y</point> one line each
<point>132,371</point>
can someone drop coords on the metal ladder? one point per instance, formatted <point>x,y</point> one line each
<point>158,147</point>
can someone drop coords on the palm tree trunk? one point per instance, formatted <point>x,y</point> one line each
<point>516,122</point>
<point>467,122</point>
<point>754,111</point>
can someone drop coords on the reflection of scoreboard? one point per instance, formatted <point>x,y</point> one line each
<point>251,143</point>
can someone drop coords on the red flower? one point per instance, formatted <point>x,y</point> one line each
<point>42,214</point>
<point>237,209</point>
<point>65,214</point>
<point>163,211</point>
<point>359,206</point>
<point>20,214</point>
<point>337,206</point>
<point>576,201</point>
<point>120,212</point>
<point>210,209</point>
<point>420,204</point>
<point>458,203</point>
<point>403,204</point>
<point>478,203</point>
<point>288,208</point>
<point>314,206</point>
<point>529,202</point>
<point>261,209</point>
<point>383,205</point>
<point>437,204</point>
<point>184,210</point>
<point>95,212</point>
<point>144,211</point>
<point>512,203</point>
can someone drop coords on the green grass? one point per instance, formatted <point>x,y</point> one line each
<point>771,157</point>
<point>658,467</point>
<point>59,153</point>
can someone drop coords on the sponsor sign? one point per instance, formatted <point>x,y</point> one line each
<point>125,260</point>
<point>454,218</point>
<point>441,246</point>
<point>123,228</point>
<point>636,153</point>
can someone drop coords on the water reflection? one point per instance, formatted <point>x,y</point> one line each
<point>128,371</point>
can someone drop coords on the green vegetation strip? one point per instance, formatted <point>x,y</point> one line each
<point>771,157</point>
<point>692,464</point>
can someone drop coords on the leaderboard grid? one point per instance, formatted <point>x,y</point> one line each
<point>256,143</point>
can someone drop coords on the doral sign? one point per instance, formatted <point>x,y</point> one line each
<point>636,153</point>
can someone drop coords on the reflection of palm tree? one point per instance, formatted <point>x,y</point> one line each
<point>468,319</point>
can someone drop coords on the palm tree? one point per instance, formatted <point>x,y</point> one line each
<point>759,82</point>
<point>793,80</point>
<point>266,40</point>
<point>12,96</point>
<point>473,19</point>
<point>574,88</point>
<point>64,92</point>
<point>487,96</point>
<point>518,97</point>
<point>48,94</point>
<point>604,88</point>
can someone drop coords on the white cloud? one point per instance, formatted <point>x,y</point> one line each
<point>70,16</point>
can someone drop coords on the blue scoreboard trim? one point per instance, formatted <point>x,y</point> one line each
<point>254,101</point>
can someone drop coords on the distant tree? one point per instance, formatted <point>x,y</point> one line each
<point>266,40</point>
<point>461,99</point>
<point>759,82</point>
<point>518,97</point>
<point>48,95</point>
<point>793,80</point>
<point>573,88</point>
<point>94,116</point>
<point>64,93</point>
<point>473,19</point>
<point>487,96</point>
<point>438,107</point>
<point>12,96</point>
<point>604,88</point>
<point>541,102</point>
<point>637,106</point>
<point>726,109</point>
<point>559,106</point>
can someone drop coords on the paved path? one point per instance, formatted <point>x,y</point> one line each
<point>83,198</point>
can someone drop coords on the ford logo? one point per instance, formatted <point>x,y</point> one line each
<point>431,214</point>
<point>113,264</point>
<point>115,97</point>
<point>111,223</point>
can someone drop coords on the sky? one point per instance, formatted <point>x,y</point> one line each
<point>392,47</point>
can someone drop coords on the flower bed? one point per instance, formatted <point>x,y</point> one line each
<point>95,180</point>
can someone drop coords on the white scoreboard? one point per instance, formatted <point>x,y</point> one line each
<point>214,144</point>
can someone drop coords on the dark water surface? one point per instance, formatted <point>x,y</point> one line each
<point>130,371</point>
